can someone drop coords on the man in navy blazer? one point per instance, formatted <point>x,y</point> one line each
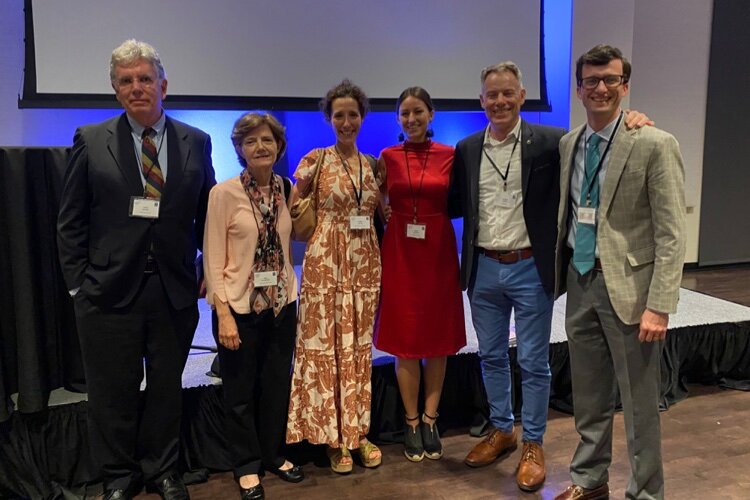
<point>131,217</point>
<point>506,183</point>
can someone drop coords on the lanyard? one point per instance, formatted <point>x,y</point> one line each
<point>357,194</point>
<point>588,183</point>
<point>415,199</point>
<point>507,167</point>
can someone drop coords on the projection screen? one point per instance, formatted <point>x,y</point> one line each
<point>283,54</point>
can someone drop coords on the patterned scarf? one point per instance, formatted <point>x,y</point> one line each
<point>269,253</point>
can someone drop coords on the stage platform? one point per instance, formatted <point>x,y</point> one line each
<point>45,455</point>
<point>693,309</point>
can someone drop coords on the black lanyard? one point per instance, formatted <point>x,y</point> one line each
<point>415,199</point>
<point>507,167</point>
<point>588,183</point>
<point>357,194</point>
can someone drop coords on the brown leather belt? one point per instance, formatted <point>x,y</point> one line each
<point>507,256</point>
<point>597,265</point>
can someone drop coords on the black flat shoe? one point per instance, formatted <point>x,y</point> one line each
<point>254,493</point>
<point>116,495</point>
<point>433,448</point>
<point>293,475</point>
<point>170,488</point>
<point>413,447</point>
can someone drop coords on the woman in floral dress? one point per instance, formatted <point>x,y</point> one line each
<point>331,391</point>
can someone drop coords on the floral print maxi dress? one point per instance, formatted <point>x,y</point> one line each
<point>331,392</point>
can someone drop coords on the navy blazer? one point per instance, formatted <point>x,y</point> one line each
<point>102,249</point>
<point>540,185</point>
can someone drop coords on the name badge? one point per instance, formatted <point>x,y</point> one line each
<point>145,208</point>
<point>265,278</point>
<point>359,222</point>
<point>586,215</point>
<point>416,231</point>
<point>507,200</point>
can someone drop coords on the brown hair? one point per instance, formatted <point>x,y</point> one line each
<point>417,92</point>
<point>344,89</point>
<point>250,121</point>
<point>601,55</point>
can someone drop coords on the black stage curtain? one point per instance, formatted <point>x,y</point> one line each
<point>38,344</point>
<point>45,455</point>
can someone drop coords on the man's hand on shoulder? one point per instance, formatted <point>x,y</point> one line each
<point>636,119</point>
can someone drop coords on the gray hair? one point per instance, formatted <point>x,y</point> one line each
<point>508,66</point>
<point>129,52</point>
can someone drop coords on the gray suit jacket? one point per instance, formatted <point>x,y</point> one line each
<point>640,221</point>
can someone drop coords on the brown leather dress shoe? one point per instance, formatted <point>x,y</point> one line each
<point>495,444</point>
<point>530,475</point>
<point>574,492</point>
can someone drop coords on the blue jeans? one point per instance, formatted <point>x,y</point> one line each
<point>497,290</point>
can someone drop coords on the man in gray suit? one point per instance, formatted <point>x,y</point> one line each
<point>621,242</point>
<point>132,212</point>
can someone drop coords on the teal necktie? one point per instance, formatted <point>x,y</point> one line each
<point>584,252</point>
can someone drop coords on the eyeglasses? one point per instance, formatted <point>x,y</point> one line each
<point>610,81</point>
<point>127,81</point>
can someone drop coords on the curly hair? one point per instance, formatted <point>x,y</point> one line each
<point>344,89</point>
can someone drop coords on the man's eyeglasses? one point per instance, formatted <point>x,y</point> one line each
<point>610,81</point>
<point>144,81</point>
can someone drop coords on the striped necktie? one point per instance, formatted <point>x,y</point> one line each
<point>150,162</point>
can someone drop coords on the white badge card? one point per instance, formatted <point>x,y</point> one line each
<point>507,200</point>
<point>145,208</point>
<point>359,222</point>
<point>416,231</point>
<point>265,278</point>
<point>586,215</point>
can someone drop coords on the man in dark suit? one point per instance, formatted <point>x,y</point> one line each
<point>507,180</point>
<point>132,212</point>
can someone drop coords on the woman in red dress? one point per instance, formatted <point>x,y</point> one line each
<point>421,312</point>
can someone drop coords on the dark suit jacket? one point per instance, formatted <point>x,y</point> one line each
<point>540,181</point>
<point>102,249</point>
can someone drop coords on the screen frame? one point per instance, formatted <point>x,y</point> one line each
<point>32,99</point>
